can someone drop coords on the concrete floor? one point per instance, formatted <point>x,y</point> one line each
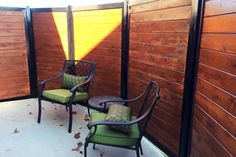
<point>22,136</point>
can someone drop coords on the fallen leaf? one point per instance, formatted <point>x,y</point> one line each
<point>28,105</point>
<point>74,112</point>
<point>55,108</point>
<point>80,144</point>
<point>101,154</point>
<point>16,131</point>
<point>55,119</point>
<point>8,149</point>
<point>77,135</point>
<point>30,113</point>
<point>43,108</point>
<point>61,125</point>
<point>81,127</point>
<point>86,117</point>
<point>76,149</point>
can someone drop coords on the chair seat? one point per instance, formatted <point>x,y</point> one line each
<point>107,135</point>
<point>63,95</point>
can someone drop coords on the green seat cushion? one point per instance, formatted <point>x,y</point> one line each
<point>63,95</point>
<point>119,113</point>
<point>107,135</point>
<point>69,81</point>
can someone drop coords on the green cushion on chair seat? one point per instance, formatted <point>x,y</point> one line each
<point>63,95</point>
<point>107,135</point>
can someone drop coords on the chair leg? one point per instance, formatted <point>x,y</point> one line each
<point>94,146</point>
<point>85,148</point>
<point>141,149</point>
<point>137,151</point>
<point>66,109</point>
<point>88,110</point>
<point>39,109</point>
<point>70,118</point>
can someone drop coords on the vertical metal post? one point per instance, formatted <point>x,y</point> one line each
<point>31,51</point>
<point>125,50</point>
<point>191,77</point>
<point>70,31</point>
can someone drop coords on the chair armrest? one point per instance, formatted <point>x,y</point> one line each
<point>74,89</point>
<point>123,100</point>
<point>43,83</point>
<point>51,79</point>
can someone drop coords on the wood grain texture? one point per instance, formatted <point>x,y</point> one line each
<point>158,46</point>
<point>98,39</point>
<point>50,30</point>
<point>14,75</point>
<point>214,131</point>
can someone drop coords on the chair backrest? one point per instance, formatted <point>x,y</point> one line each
<point>150,96</point>
<point>80,68</point>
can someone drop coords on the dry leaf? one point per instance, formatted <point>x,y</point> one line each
<point>75,149</point>
<point>77,135</point>
<point>86,117</point>
<point>74,112</point>
<point>61,125</point>
<point>80,144</point>
<point>30,113</point>
<point>16,131</point>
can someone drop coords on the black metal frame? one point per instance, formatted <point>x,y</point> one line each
<point>85,85</point>
<point>191,77</point>
<point>62,9</point>
<point>98,7</point>
<point>143,115</point>
<point>31,52</point>
<point>124,50</point>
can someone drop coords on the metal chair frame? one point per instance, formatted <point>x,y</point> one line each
<point>70,67</point>
<point>142,117</point>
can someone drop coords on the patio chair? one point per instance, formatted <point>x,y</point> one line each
<point>77,75</point>
<point>102,133</point>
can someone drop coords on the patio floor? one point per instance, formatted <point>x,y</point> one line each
<point>22,136</point>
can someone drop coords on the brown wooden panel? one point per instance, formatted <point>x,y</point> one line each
<point>158,45</point>
<point>50,29</point>
<point>219,60</point>
<point>204,143</point>
<point>163,50</point>
<point>160,26</point>
<point>162,15</point>
<point>158,4</point>
<point>177,39</point>
<point>219,42</point>
<point>214,116</point>
<point>14,75</point>
<point>217,77</point>
<point>220,96</point>
<point>160,61</point>
<point>98,39</point>
<point>228,140</point>
<point>223,23</point>
<point>216,7</point>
